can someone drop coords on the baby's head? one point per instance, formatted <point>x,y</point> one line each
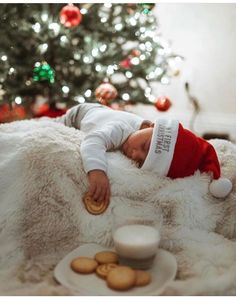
<point>137,145</point>
<point>166,148</point>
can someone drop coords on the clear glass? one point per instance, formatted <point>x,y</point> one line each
<point>136,233</point>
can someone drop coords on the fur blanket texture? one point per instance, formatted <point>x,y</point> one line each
<point>42,216</point>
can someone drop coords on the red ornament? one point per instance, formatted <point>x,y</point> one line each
<point>46,110</point>
<point>163,103</point>
<point>70,16</point>
<point>8,114</point>
<point>126,63</point>
<point>105,93</point>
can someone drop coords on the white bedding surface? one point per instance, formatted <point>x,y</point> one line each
<point>42,216</point>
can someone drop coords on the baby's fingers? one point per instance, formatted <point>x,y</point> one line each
<point>98,194</point>
<point>92,190</point>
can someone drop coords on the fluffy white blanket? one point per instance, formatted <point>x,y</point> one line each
<point>42,216</point>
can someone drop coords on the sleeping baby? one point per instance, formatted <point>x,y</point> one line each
<point>163,147</point>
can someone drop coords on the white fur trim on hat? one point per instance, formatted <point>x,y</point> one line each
<point>162,146</point>
<point>220,188</point>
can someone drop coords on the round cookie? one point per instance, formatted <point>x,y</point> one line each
<point>95,207</point>
<point>121,278</point>
<point>84,265</point>
<point>106,257</point>
<point>143,278</point>
<point>103,270</point>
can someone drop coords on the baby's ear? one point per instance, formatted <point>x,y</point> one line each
<point>146,124</point>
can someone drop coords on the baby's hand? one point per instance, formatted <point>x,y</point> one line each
<point>99,186</point>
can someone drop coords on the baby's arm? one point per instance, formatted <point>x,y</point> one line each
<point>72,117</point>
<point>93,151</point>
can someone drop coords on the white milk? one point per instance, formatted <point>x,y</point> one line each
<point>136,241</point>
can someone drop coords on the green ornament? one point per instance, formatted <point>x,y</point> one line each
<point>44,72</point>
<point>147,7</point>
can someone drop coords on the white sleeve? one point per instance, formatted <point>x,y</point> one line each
<point>95,144</point>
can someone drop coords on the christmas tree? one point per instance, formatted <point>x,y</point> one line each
<point>65,54</point>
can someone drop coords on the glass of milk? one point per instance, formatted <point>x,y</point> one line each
<point>136,233</point>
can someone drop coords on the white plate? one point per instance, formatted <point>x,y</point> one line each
<point>163,271</point>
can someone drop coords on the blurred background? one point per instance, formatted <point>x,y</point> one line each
<point>205,35</point>
<point>156,60</point>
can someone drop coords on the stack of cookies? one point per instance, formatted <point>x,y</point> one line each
<point>105,264</point>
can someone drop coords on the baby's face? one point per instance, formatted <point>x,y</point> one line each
<point>137,145</point>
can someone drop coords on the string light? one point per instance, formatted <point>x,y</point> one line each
<point>142,29</point>
<point>86,59</point>
<point>125,96</point>
<point>98,67</point>
<point>64,39</point>
<point>36,27</point>
<point>95,52</point>
<point>43,48</point>
<point>88,93</point>
<point>18,100</point>
<point>135,61</point>
<point>142,47</point>
<point>11,70</point>
<point>137,15</point>
<point>103,20</point>
<point>108,5</point>
<point>128,74</point>
<point>156,39</point>
<point>150,76</point>
<point>152,98</point>
<point>79,99</point>
<point>118,27</point>
<point>55,27</point>
<point>83,11</point>
<point>77,56</point>
<point>4,57</point>
<point>142,57</point>
<point>110,70</point>
<point>115,67</point>
<point>133,22</point>
<point>44,17</point>
<point>165,80</point>
<point>158,71</point>
<point>103,48</point>
<point>147,91</point>
<point>65,89</point>
<point>149,33</point>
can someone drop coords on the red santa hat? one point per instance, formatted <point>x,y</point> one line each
<point>176,152</point>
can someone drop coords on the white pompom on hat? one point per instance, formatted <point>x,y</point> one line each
<point>220,188</point>
<point>176,152</point>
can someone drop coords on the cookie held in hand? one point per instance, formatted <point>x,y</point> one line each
<point>95,207</point>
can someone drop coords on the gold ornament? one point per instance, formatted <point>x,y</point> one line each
<point>105,93</point>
